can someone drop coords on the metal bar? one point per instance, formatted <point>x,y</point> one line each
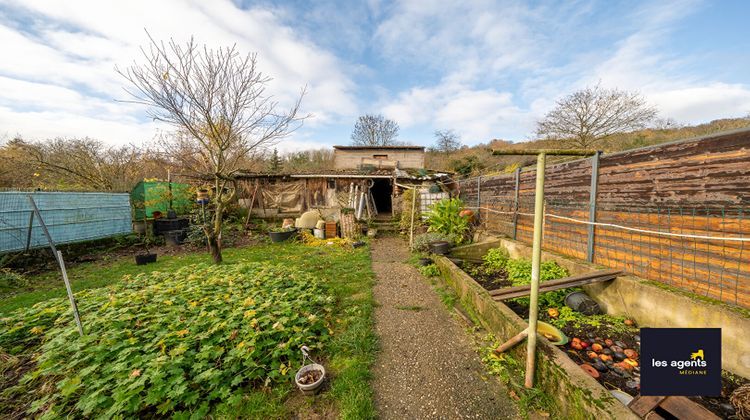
<point>512,341</point>
<point>536,259</point>
<point>58,256</point>
<point>515,202</point>
<point>592,205</point>
<point>413,207</point>
<point>479,200</point>
<point>544,287</point>
<point>560,282</point>
<point>31,225</point>
<point>73,304</point>
<point>551,152</point>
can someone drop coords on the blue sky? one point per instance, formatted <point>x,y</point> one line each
<point>486,69</point>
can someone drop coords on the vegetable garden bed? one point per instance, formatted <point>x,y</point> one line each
<point>606,347</point>
<point>203,339</point>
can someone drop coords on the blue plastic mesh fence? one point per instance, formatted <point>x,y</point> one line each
<point>69,216</point>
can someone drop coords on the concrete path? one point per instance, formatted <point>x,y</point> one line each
<point>427,367</point>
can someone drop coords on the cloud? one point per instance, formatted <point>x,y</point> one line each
<point>476,114</point>
<point>67,52</point>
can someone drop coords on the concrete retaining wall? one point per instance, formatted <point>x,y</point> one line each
<point>576,394</point>
<point>650,305</point>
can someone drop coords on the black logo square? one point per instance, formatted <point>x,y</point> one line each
<point>681,361</point>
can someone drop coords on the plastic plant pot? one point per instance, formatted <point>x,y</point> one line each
<point>581,302</point>
<point>425,261</point>
<point>282,236</point>
<point>144,259</point>
<point>551,333</point>
<point>313,388</point>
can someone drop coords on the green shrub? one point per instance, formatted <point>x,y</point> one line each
<point>170,343</point>
<point>431,270</point>
<point>444,217</point>
<point>422,241</point>
<point>496,259</point>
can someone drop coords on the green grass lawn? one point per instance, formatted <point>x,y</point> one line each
<point>348,355</point>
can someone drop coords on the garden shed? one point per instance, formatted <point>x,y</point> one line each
<point>290,194</point>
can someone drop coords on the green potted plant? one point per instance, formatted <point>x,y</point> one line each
<point>146,257</point>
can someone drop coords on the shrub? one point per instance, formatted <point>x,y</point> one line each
<point>176,343</point>
<point>431,270</point>
<point>10,280</point>
<point>422,241</point>
<point>444,217</point>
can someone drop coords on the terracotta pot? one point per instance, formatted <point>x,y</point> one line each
<point>467,213</point>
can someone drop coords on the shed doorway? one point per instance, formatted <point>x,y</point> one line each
<point>381,193</point>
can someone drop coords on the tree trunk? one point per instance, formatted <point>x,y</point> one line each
<point>214,247</point>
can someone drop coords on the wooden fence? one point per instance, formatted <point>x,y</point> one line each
<point>669,196</point>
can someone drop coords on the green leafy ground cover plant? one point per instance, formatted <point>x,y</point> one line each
<point>177,342</point>
<point>265,389</point>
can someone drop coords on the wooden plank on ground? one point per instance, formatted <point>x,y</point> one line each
<point>564,283</point>
<point>642,405</point>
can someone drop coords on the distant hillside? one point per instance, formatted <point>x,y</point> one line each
<point>479,159</point>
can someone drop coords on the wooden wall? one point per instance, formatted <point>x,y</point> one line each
<point>696,186</point>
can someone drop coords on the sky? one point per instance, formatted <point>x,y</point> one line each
<point>486,69</point>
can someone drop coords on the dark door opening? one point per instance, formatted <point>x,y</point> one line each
<point>381,192</point>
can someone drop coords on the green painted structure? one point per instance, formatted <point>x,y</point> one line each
<point>150,196</point>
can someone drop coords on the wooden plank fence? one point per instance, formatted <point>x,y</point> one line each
<point>696,186</point>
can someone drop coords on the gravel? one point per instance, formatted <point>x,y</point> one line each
<point>427,367</point>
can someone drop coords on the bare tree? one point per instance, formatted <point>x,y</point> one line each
<point>447,141</point>
<point>374,130</point>
<point>80,164</point>
<point>585,117</point>
<point>217,101</point>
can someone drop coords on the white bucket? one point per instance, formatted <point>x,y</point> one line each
<point>313,388</point>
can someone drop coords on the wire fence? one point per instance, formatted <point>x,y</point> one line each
<point>70,217</point>
<point>699,248</point>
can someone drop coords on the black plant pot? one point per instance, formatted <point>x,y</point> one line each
<point>440,247</point>
<point>144,259</point>
<point>581,302</point>
<point>281,236</point>
<point>425,261</point>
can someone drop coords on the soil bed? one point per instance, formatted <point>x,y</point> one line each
<point>489,279</point>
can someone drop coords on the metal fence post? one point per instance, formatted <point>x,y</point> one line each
<point>515,202</point>
<point>58,256</point>
<point>592,205</point>
<point>479,187</point>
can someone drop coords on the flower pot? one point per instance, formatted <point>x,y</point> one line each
<point>282,236</point>
<point>139,227</point>
<point>551,333</point>
<point>425,261</point>
<point>144,259</point>
<point>305,378</point>
<point>581,302</point>
<point>173,237</point>
<point>156,215</point>
<point>440,247</point>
